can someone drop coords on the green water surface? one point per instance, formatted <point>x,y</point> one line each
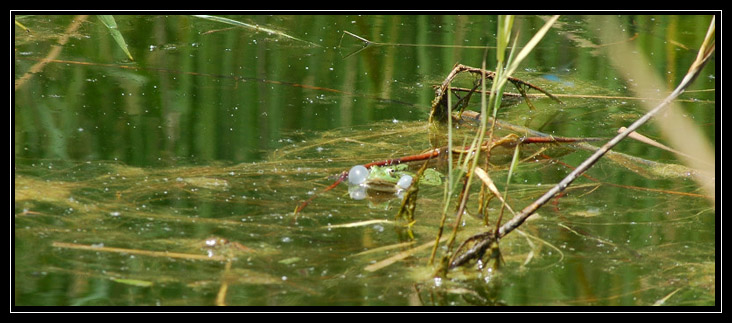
<point>171,178</point>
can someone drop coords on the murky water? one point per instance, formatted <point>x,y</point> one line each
<point>172,179</point>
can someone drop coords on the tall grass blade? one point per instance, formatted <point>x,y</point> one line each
<point>505,22</point>
<point>530,46</point>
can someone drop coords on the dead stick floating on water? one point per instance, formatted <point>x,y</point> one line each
<point>439,110</point>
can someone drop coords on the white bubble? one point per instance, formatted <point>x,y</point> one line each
<point>405,181</point>
<point>357,174</point>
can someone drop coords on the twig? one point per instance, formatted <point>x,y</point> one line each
<point>438,111</point>
<point>516,221</point>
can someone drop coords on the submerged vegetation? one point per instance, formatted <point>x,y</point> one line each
<point>389,212</point>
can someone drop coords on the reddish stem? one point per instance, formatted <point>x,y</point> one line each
<point>432,154</point>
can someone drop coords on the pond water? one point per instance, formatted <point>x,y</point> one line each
<point>171,178</point>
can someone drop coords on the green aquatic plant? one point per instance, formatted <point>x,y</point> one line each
<point>500,77</point>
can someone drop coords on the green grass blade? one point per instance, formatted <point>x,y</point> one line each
<point>530,46</point>
<point>17,23</point>
<point>108,21</point>
<point>506,23</point>
<point>514,163</point>
<point>254,27</point>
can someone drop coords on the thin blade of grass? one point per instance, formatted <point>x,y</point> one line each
<point>514,163</point>
<point>663,300</point>
<point>357,224</point>
<point>491,186</point>
<point>253,27</point>
<point>530,46</point>
<point>111,24</point>
<point>140,252</point>
<point>24,28</point>
<point>385,248</point>
<point>506,22</point>
<point>447,193</point>
<point>641,138</point>
<point>132,282</point>
<point>368,42</point>
<point>400,256</point>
